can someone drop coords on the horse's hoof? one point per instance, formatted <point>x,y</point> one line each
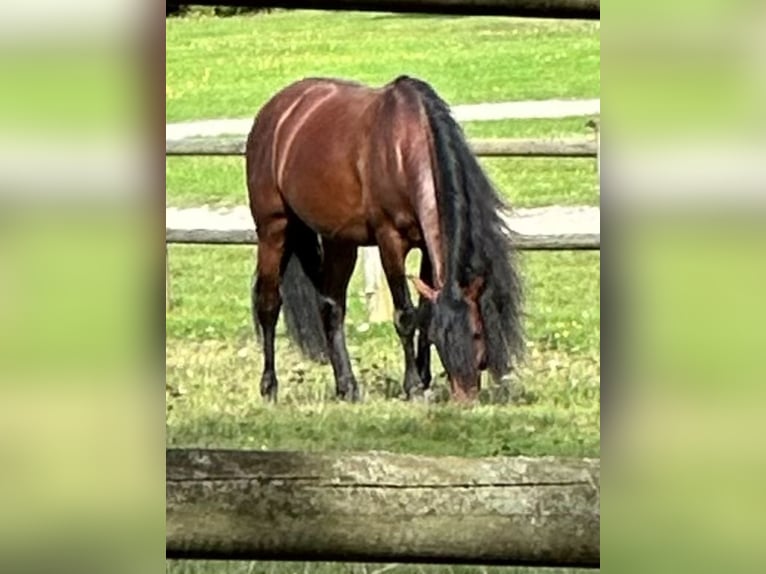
<point>269,388</point>
<point>350,394</point>
<point>351,398</point>
<point>413,387</point>
<point>415,394</point>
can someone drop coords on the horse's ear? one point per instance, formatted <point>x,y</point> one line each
<point>420,286</point>
<point>474,289</point>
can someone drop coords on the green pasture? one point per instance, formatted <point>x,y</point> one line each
<point>228,67</point>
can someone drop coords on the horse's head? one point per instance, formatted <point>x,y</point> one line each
<point>457,331</point>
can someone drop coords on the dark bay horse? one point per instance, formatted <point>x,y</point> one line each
<point>333,165</point>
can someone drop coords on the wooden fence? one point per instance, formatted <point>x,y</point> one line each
<point>379,305</point>
<point>523,242</point>
<point>496,147</point>
<point>377,507</point>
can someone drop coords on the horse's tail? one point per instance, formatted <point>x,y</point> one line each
<point>301,300</point>
<point>478,241</point>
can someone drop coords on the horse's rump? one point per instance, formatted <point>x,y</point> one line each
<point>345,158</point>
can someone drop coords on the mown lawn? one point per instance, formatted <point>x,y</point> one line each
<point>227,67</point>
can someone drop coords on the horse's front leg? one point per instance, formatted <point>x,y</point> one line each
<point>423,358</point>
<point>393,251</point>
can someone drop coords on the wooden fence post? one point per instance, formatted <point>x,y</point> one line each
<point>380,307</point>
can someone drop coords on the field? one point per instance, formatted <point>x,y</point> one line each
<point>228,67</point>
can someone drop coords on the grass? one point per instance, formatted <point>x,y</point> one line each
<point>213,367</point>
<point>228,67</point>
<point>555,408</point>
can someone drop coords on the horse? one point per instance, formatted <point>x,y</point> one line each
<point>332,165</point>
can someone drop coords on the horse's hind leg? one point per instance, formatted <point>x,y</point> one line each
<point>392,253</point>
<point>266,298</point>
<point>423,358</point>
<point>338,265</point>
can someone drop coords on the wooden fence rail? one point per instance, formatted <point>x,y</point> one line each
<point>549,229</point>
<point>564,9</point>
<point>495,147</point>
<point>524,242</point>
<point>376,507</point>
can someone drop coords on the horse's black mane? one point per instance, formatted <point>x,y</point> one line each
<point>477,242</point>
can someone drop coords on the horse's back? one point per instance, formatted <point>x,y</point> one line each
<point>259,145</point>
<point>344,157</point>
<point>305,146</point>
